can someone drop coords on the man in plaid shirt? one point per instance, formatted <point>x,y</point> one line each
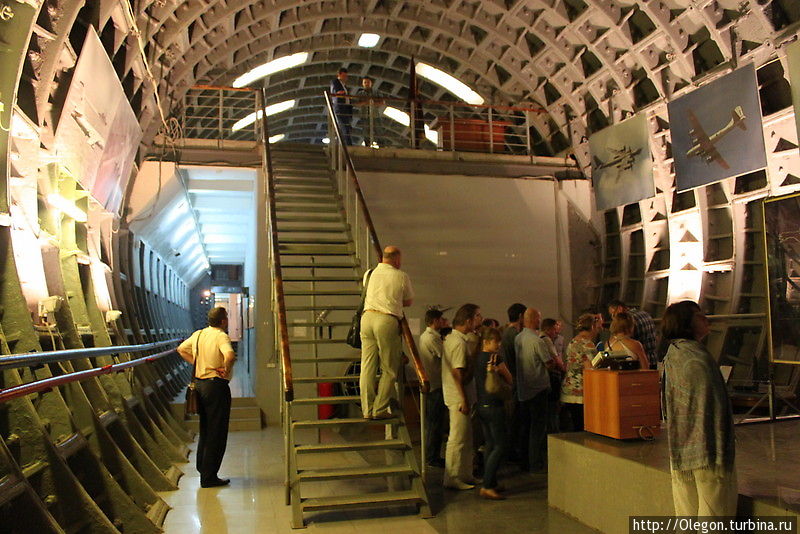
<point>644,330</point>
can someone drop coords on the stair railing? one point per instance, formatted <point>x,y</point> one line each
<point>278,298</point>
<point>367,246</point>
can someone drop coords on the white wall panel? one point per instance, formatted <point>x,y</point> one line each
<point>490,241</point>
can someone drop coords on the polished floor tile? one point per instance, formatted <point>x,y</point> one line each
<point>254,502</point>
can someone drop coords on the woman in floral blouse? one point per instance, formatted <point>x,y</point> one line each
<point>580,352</point>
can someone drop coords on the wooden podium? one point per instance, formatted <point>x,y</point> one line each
<point>618,404</point>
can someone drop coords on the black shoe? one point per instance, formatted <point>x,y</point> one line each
<point>438,463</point>
<point>215,483</point>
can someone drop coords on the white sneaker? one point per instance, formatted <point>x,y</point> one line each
<point>457,484</point>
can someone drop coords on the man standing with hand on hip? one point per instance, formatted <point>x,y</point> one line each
<point>388,292</point>
<point>212,355</point>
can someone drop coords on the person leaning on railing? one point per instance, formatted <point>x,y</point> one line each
<point>211,353</point>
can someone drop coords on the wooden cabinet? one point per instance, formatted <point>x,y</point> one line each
<point>618,404</point>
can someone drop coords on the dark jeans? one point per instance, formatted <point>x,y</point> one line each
<point>345,118</point>
<point>574,412</point>
<point>435,411</point>
<point>493,421</point>
<point>215,412</point>
<point>537,411</point>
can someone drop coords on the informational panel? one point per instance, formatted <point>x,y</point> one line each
<point>622,170</point>
<point>782,230</point>
<point>793,53</point>
<point>717,131</point>
<point>98,133</point>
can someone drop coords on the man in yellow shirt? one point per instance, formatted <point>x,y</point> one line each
<point>211,352</point>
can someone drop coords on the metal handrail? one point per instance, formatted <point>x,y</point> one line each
<point>16,361</point>
<point>283,329</point>
<point>408,337</point>
<point>49,383</point>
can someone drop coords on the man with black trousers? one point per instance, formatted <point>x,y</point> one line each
<point>212,355</point>
<point>342,107</point>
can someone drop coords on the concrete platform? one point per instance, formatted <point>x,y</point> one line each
<point>602,481</point>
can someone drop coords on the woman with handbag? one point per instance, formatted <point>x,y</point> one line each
<point>493,381</point>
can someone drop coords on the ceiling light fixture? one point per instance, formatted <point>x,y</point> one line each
<point>269,110</point>
<point>368,40</point>
<point>403,118</point>
<point>453,85</point>
<point>271,67</point>
<point>326,141</point>
<point>276,138</point>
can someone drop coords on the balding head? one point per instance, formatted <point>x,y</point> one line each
<point>392,256</point>
<point>532,319</point>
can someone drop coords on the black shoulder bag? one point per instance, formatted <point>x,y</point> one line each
<point>354,334</point>
<point>192,404</point>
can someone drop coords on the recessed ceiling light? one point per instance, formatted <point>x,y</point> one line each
<point>271,67</point>
<point>325,141</point>
<point>270,110</point>
<point>458,88</point>
<point>368,40</point>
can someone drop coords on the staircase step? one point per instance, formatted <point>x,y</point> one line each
<point>335,359</point>
<point>313,240</point>
<point>339,502</point>
<point>324,379</point>
<point>294,341</point>
<point>286,178</point>
<point>317,265</point>
<point>382,445</point>
<point>320,307</point>
<point>322,278</point>
<point>301,250</point>
<point>312,229</point>
<point>328,423</point>
<point>282,198</point>
<point>360,472</point>
<point>342,399</point>
<point>320,292</point>
<point>306,218</point>
<point>302,186</point>
<point>294,208</point>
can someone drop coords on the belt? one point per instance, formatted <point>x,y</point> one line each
<point>384,313</point>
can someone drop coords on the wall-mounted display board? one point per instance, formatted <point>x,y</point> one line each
<point>782,241</point>
<point>622,170</point>
<point>15,26</point>
<point>793,55</point>
<point>98,133</point>
<point>717,131</point>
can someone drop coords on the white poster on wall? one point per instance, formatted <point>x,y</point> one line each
<point>98,133</point>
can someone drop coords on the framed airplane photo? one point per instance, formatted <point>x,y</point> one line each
<point>717,131</point>
<point>622,170</point>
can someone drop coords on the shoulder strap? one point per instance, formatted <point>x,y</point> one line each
<point>364,291</point>
<point>196,353</point>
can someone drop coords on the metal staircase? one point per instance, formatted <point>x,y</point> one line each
<point>345,461</point>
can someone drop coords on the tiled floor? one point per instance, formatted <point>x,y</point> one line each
<point>254,502</point>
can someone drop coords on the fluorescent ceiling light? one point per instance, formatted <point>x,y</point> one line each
<point>270,110</point>
<point>431,135</point>
<point>368,40</point>
<point>271,67</point>
<point>443,79</point>
<point>326,141</point>
<point>276,138</point>
<point>397,115</point>
<point>66,207</point>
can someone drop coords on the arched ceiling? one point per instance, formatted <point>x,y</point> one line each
<point>589,63</point>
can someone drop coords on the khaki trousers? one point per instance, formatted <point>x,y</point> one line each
<point>458,456</point>
<point>703,492</point>
<point>380,343</point>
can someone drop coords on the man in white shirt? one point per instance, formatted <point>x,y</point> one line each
<point>388,292</point>
<point>431,348</point>
<point>460,396</point>
<point>212,355</point>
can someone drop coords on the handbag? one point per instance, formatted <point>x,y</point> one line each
<point>192,404</point>
<point>354,334</point>
<point>496,384</point>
